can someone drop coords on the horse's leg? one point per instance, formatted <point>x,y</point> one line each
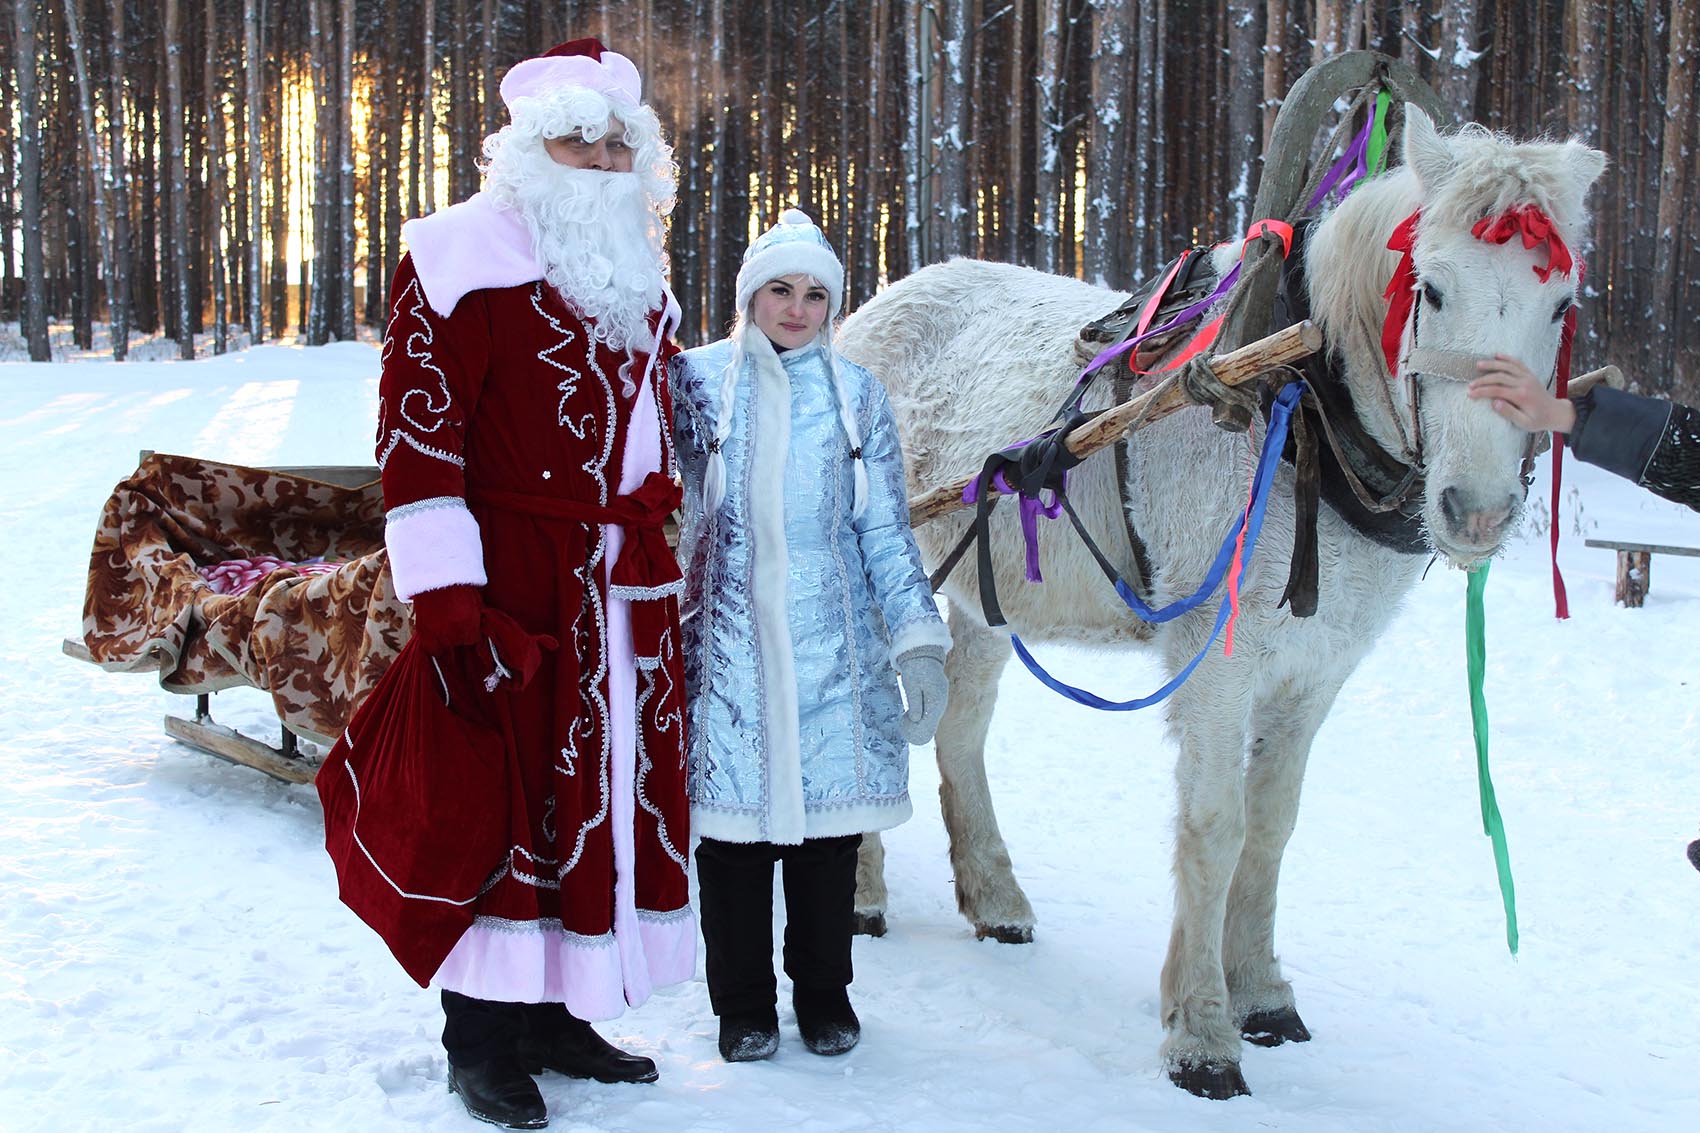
<point>1201,1048</point>
<point>1284,725</point>
<point>986,889</point>
<point>870,886</point>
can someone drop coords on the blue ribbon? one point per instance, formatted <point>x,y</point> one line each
<point>1280,416</point>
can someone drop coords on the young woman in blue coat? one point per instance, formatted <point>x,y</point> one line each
<point>805,610</point>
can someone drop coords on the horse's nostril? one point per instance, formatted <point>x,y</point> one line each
<point>1449,507</point>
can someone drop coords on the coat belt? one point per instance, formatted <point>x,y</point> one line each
<point>647,567</point>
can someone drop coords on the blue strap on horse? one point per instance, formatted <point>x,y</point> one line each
<point>1251,520</point>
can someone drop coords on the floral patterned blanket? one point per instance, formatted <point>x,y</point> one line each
<point>316,631</point>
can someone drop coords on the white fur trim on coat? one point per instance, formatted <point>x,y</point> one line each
<point>822,821</point>
<point>918,634</point>
<point>770,419</point>
<point>433,543</point>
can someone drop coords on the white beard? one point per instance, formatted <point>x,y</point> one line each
<point>597,235</point>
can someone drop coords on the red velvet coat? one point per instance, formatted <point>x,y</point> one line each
<point>501,406</point>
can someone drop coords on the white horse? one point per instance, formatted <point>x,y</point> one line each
<point>977,355</point>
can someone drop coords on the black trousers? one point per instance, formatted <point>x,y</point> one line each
<point>477,1030</point>
<point>735,880</point>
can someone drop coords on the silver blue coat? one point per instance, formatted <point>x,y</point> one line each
<point>794,610</point>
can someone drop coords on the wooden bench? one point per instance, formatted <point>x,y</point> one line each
<point>1634,566</point>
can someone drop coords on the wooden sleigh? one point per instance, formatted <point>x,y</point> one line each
<point>286,760</point>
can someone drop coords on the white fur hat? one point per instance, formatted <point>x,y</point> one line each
<point>794,246</point>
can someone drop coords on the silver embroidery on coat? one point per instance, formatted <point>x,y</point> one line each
<point>665,723</point>
<point>416,344</point>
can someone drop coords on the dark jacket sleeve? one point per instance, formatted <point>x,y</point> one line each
<point>1655,443</point>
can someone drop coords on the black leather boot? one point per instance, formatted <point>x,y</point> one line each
<point>1694,853</point>
<point>749,1038</point>
<point>570,1046</point>
<point>826,1021</point>
<point>500,1092</point>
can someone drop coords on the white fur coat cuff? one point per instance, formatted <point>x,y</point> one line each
<point>925,631</point>
<point>433,543</point>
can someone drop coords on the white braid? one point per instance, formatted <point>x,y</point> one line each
<point>714,476</point>
<point>847,415</point>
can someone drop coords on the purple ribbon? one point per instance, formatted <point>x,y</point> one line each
<point>1345,173</point>
<point>1031,510</point>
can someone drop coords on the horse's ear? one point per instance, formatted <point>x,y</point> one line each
<point>1585,163</point>
<point>1426,152</point>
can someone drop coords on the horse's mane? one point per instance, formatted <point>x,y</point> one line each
<point>1493,173</point>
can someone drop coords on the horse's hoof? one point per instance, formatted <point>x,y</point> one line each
<point>869,924</point>
<point>1272,1028</point>
<point>1217,1081</point>
<point>1004,934</point>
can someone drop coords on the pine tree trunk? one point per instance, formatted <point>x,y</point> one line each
<point>951,207</point>
<point>1147,155</point>
<point>489,94</point>
<point>217,183</point>
<point>1678,130</point>
<point>395,81</point>
<point>461,110</point>
<point>714,305</point>
<point>1245,119</point>
<point>1015,93</point>
<point>1274,64</point>
<point>1325,30</point>
<point>382,121</point>
<point>99,175</point>
<point>1455,70</point>
<point>178,176</point>
<point>278,224</point>
<point>428,110</point>
<point>118,123</point>
<point>1048,178</point>
<point>253,221</point>
<point>917,172</point>
<point>9,286</point>
<point>848,235</point>
<point>29,174</point>
<point>345,163</point>
<point>1107,159</point>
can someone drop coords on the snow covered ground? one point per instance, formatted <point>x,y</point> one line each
<point>173,956</point>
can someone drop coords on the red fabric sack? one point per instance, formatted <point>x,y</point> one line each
<point>418,792</point>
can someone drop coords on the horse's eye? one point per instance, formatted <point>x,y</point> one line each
<point>1432,294</point>
<point>1563,308</point>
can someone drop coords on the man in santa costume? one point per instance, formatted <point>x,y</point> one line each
<point>524,442</point>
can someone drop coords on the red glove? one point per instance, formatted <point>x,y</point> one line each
<point>447,617</point>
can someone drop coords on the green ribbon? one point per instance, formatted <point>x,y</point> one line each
<point>1475,647</point>
<point>1376,159</point>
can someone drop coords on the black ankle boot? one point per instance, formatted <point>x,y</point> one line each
<point>1694,853</point>
<point>826,1020</point>
<point>501,1092</point>
<point>749,1038</point>
<point>576,1050</point>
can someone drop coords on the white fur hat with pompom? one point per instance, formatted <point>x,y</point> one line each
<point>794,246</point>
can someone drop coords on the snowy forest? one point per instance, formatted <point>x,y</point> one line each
<point>240,169</point>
